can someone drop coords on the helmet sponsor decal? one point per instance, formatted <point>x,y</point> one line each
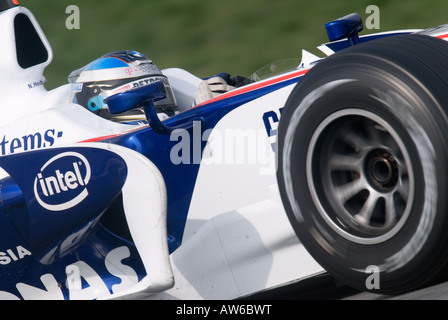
<point>138,83</point>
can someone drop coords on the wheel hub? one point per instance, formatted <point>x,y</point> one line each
<point>382,170</point>
<point>360,176</point>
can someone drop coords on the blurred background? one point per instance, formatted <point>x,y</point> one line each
<point>206,37</point>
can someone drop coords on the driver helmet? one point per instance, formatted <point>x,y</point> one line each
<point>114,73</point>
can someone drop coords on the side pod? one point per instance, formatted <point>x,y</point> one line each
<point>66,190</point>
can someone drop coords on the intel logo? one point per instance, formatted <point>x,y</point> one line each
<point>62,181</point>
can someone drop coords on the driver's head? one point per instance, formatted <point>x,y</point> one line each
<point>114,73</point>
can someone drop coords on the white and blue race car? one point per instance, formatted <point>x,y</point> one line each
<point>139,190</point>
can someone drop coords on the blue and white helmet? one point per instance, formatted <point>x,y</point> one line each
<point>114,73</point>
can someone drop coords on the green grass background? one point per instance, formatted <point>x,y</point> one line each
<point>209,36</point>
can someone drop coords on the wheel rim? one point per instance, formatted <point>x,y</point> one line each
<point>360,176</point>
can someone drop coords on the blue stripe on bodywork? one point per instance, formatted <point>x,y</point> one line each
<point>342,44</point>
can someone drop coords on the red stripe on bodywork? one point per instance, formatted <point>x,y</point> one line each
<point>442,36</point>
<point>259,85</point>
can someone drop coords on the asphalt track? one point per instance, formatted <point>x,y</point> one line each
<point>323,287</point>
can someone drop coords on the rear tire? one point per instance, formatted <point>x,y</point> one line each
<point>362,163</point>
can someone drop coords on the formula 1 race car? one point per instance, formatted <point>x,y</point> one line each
<point>136,189</point>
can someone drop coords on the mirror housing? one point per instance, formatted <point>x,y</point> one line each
<point>141,97</point>
<point>346,27</point>
<point>135,98</point>
<point>144,97</point>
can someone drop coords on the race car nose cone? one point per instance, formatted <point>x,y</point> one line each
<point>8,4</point>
